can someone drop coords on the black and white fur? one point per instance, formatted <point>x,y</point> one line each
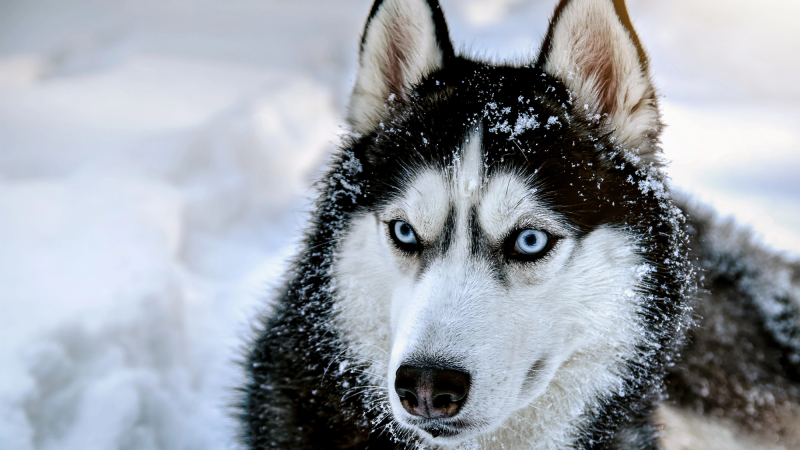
<point>570,349</point>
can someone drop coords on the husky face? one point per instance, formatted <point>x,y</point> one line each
<point>497,268</point>
<point>495,284</point>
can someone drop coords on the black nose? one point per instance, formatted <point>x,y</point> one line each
<point>431,392</point>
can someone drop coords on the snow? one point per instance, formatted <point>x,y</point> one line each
<point>157,160</point>
<point>526,122</point>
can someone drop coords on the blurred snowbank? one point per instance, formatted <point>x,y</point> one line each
<point>147,209</point>
<point>156,158</point>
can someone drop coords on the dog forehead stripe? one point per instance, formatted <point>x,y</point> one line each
<point>469,166</point>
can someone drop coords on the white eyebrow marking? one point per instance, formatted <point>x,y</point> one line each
<point>508,202</point>
<point>424,205</point>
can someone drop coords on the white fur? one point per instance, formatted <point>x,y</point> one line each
<point>587,33</point>
<point>400,30</point>
<point>469,171</point>
<point>576,309</point>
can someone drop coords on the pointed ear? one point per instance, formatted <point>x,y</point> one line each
<point>592,48</point>
<point>404,41</point>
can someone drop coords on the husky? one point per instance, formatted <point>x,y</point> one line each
<point>497,262</point>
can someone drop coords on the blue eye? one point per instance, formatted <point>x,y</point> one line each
<point>403,232</point>
<point>530,242</point>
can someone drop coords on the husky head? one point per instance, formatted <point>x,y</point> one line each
<point>499,266</point>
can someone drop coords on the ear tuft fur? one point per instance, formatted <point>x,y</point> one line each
<point>404,41</point>
<point>592,48</point>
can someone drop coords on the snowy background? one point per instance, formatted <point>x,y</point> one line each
<point>156,158</point>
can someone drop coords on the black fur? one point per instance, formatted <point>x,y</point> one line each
<point>304,392</point>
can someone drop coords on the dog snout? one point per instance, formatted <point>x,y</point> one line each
<point>431,392</point>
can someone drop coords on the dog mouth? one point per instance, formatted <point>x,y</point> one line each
<point>440,429</point>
